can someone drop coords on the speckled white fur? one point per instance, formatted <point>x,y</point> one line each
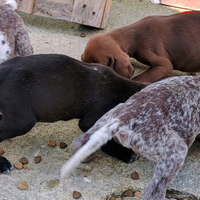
<point>4,48</point>
<point>160,122</point>
<point>12,3</point>
<point>14,39</point>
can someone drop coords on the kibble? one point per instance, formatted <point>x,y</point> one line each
<point>128,193</point>
<point>63,145</point>
<point>83,35</point>
<point>23,160</point>
<point>51,143</point>
<point>18,165</point>
<point>37,159</point>
<point>23,186</point>
<point>135,176</point>
<point>1,151</point>
<point>138,195</point>
<point>76,195</point>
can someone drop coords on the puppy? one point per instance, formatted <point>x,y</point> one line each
<point>14,39</point>
<point>49,88</point>
<point>160,122</point>
<point>162,42</point>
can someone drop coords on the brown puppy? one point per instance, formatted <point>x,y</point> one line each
<point>162,42</point>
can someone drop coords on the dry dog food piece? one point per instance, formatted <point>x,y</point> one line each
<point>51,143</point>
<point>83,35</point>
<point>138,195</point>
<point>37,159</point>
<point>23,186</point>
<point>135,176</point>
<point>1,151</point>
<point>18,165</point>
<point>128,193</point>
<point>76,195</point>
<point>23,160</point>
<point>63,145</point>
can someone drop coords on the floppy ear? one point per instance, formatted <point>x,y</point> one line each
<point>122,65</point>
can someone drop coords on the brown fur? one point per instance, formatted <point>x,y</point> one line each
<point>162,42</point>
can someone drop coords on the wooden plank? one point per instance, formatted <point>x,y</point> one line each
<point>88,12</point>
<point>106,14</point>
<point>58,9</point>
<point>26,6</point>
<point>189,4</point>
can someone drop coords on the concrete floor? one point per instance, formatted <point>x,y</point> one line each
<point>105,178</point>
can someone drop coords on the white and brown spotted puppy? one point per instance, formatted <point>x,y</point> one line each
<point>14,39</point>
<point>160,122</point>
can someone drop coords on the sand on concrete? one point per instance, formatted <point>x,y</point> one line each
<point>104,177</point>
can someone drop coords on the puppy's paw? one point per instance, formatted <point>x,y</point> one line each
<point>5,166</point>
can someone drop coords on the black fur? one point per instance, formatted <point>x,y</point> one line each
<point>51,87</point>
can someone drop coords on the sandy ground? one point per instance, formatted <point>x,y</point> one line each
<point>105,177</point>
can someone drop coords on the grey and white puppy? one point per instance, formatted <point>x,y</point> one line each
<point>160,122</point>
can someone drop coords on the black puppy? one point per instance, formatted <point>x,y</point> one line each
<point>50,87</point>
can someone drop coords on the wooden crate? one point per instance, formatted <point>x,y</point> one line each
<point>188,4</point>
<point>88,12</point>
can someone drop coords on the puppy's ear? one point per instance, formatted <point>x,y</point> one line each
<point>122,65</point>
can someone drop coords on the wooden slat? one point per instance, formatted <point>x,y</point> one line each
<point>106,14</point>
<point>26,6</point>
<point>189,4</point>
<point>88,12</point>
<point>58,9</point>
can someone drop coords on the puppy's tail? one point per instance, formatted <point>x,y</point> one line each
<point>98,139</point>
<point>12,4</point>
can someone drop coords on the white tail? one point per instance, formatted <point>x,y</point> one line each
<point>98,139</point>
<point>12,3</point>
